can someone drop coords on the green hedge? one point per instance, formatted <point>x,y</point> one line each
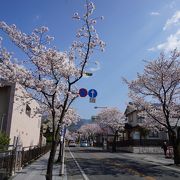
<point>4,140</point>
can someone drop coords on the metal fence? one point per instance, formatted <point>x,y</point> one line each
<point>12,161</point>
<point>98,144</point>
<point>6,164</point>
<point>33,153</point>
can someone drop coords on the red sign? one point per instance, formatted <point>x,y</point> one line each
<point>83,92</point>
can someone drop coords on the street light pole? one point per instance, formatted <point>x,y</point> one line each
<point>102,107</point>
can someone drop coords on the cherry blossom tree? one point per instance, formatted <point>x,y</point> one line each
<point>49,75</point>
<point>157,93</point>
<point>113,119</point>
<point>88,131</point>
<point>68,135</point>
<point>71,117</point>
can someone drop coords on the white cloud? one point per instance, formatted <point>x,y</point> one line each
<point>154,13</point>
<point>93,69</point>
<point>174,20</point>
<point>152,49</point>
<point>172,42</point>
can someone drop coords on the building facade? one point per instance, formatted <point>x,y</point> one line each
<point>17,115</point>
<point>134,121</point>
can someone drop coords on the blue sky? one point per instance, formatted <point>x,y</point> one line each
<point>132,29</point>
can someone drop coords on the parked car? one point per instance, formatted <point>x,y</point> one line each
<point>72,144</point>
<point>84,144</point>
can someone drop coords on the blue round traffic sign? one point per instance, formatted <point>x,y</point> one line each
<point>92,93</point>
<point>83,92</point>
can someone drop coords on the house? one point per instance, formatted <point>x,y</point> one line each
<point>17,115</point>
<point>134,128</point>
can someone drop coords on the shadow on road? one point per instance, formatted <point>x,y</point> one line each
<point>115,166</point>
<point>88,150</point>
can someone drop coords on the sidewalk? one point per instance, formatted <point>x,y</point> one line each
<point>37,170</point>
<point>154,158</point>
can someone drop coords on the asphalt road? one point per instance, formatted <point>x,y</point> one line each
<point>93,164</point>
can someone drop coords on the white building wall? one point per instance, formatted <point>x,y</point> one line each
<point>22,126</point>
<point>132,118</point>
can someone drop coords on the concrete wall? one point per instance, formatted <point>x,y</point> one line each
<point>142,150</point>
<point>26,127</point>
<point>132,118</point>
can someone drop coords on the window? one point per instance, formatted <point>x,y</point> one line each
<point>28,110</point>
<point>140,119</point>
<point>153,134</point>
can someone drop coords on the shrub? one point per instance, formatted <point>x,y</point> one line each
<point>4,140</point>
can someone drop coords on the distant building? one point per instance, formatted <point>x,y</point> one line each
<point>94,119</point>
<point>17,115</point>
<point>133,126</point>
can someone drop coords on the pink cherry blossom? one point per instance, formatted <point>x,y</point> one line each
<point>50,75</point>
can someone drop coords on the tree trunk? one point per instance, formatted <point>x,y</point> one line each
<point>51,161</point>
<point>176,149</point>
<point>175,141</point>
<point>114,142</point>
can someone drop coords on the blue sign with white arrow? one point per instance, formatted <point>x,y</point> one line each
<point>92,93</point>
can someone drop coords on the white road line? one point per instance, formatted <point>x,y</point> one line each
<point>82,172</point>
<point>65,173</point>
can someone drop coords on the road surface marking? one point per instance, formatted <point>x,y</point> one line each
<point>65,173</point>
<point>82,172</point>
